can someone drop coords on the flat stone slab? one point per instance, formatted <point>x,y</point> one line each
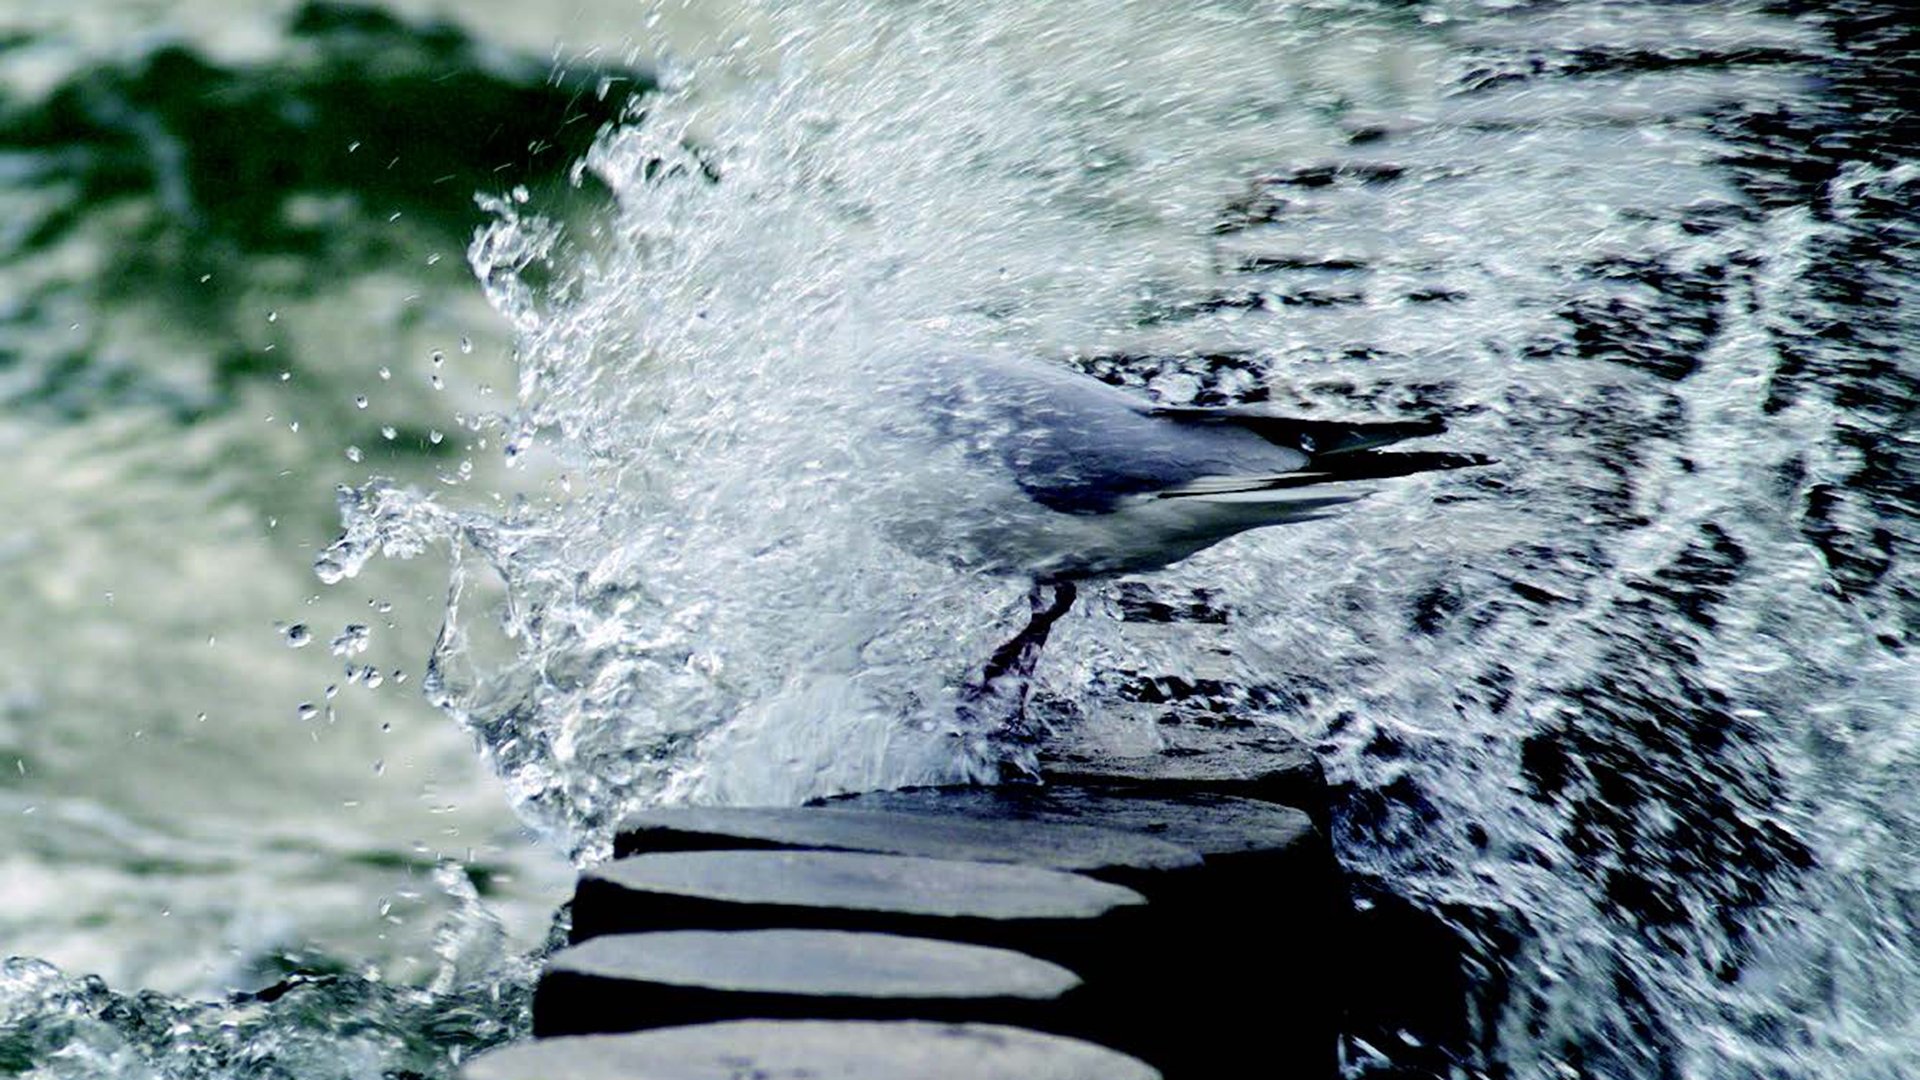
<point>1267,907</point>
<point>1061,843</point>
<point>1216,826</point>
<point>1255,763</point>
<point>813,1050</point>
<point>629,982</point>
<point>1048,913</point>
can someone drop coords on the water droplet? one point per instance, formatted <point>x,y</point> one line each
<point>308,710</point>
<point>351,641</point>
<point>202,718</point>
<point>273,316</point>
<point>466,344</point>
<point>332,691</point>
<point>438,383</point>
<point>204,278</point>
<point>438,357</point>
<point>399,676</point>
<point>360,402</point>
<point>389,432</point>
<point>434,437</point>
<point>386,725</point>
<point>372,677</point>
<point>353,453</point>
<point>298,636</point>
<point>273,523</point>
<point>379,768</point>
<point>433,259</point>
<point>385,373</point>
<point>381,606</point>
<point>293,425</point>
<point>286,376</point>
<point>352,146</point>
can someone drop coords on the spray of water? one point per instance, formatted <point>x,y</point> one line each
<point>334,1026</point>
<point>717,606</point>
<point>1615,710</point>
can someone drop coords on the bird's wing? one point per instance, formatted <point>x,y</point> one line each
<point>1217,486</point>
<point>1316,438</point>
<point>1325,471</point>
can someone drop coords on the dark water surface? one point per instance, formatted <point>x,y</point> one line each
<point>1632,713</point>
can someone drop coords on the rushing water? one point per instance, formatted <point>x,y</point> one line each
<point>1631,711</point>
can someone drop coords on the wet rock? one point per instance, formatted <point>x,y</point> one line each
<point>1219,827</point>
<point>631,982</point>
<point>1221,872</point>
<point>817,1050</point>
<point>1059,845</point>
<point>1254,763</point>
<point>1266,867</point>
<point>1058,916</point>
<point>1144,842</point>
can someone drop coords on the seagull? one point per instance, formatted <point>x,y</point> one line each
<point>1063,479</point>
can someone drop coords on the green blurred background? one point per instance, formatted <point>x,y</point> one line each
<point>232,265</point>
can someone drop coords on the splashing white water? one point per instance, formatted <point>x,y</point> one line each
<point>1521,678</point>
<point>818,200</point>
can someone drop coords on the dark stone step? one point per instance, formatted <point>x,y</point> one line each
<point>1058,916</point>
<point>1131,858</point>
<point>1247,902</point>
<point>1220,828</point>
<point>814,1049</point>
<point>632,982</point>
<point>1267,905</point>
<point>1253,763</point>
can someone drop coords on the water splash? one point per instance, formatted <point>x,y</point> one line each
<point>338,1026</point>
<point>717,610</point>
<point>1628,712</point>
